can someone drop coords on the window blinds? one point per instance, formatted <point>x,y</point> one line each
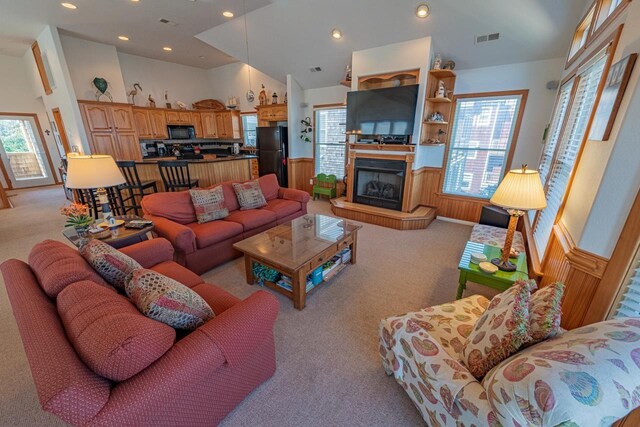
<point>628,303</point>
<point>331,125</point>
<point>567,152</point>
<point>482,134</point>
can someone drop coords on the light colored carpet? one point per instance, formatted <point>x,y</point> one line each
<point>329,371</point>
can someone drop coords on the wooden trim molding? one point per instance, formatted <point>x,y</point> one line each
<point>37,55</point>
<point>4,199</point>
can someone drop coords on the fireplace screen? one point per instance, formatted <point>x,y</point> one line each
<point>379,183</point>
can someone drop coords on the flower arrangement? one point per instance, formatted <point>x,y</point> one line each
<point>77,215</point>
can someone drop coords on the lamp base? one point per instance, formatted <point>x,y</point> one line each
<point>504,266</point>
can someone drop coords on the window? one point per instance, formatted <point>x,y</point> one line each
<point>628,302</point>
<point>581,35</point>
<point>330,139</point>
<point>606,9</point>
<point>559,170</point>
<point>483,132</point>
<point>249,125</point>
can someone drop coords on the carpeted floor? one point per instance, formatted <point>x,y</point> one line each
<point>329,372</point>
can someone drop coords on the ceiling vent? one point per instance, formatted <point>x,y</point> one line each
<point>487,38</point>
<point>166,21</point>
<point>315,69</point>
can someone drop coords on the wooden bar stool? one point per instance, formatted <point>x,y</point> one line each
<point>175,175</point>
<point>135,188</point>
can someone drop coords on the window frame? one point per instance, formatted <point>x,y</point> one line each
<point>523,93</point>
<point>600,26</point>
<point>334,106</point>
<point>582,28</point>
<point>242,115</point>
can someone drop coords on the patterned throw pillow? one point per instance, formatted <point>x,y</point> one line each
<point>209,204</point>
<point>114,266</point>
<point>501,330</point>
<point>545,311</point>
<point>168,301</point>
<point>249,195</point>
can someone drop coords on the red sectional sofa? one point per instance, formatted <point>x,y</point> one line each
<point>200,247</point>
<point>196,382</point>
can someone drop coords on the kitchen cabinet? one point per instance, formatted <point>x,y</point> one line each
<point>178,117</point>
<point>103,143</point>
<point>209,128</point>
<point>150,124</point>
<point>123,119</point>
<point>127,147</point>
<point>272,113</point>
<point>228,124</point>
<point>158,124</point>
<point>196,119</point>
<point>97,117</point>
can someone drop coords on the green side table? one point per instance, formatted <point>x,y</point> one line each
<point>501,280</point>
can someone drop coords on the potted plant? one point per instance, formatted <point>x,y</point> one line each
<point>78,217</point>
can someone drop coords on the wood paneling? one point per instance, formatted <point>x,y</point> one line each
<point>417,220</point>
<point>579,270</point>
<point>631,420</point>
<point>301,172</point>
<point>62,132</point>
<point>207,173</point>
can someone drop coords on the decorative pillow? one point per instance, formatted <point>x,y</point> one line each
<point>249,195</point>
<point>107,331</point>
<point>209,204</point>
<point>167,301</point>
<point>114,266</point>
<point>501,330</point>
<point>545,311</point>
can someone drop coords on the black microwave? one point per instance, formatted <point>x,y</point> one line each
<point>181,132</point>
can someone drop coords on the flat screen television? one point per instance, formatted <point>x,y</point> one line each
<point>388,111</point>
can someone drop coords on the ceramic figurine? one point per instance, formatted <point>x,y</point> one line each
<point>152,102</point>
<point>132,93</point>
<point>437,63</point>
<point>442,90</point>
<point>166,99</point>
<point>449,65</point>
<point>274,98</point>
<point>286,100</point>
<point>102,87</point>
<point>263,96</point>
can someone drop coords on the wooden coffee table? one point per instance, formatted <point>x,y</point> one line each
<point>120,236</point>
<point>298,247</point>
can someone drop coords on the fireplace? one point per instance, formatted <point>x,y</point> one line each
<point>379,182</point>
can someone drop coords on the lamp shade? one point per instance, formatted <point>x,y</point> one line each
<point>520,189</point>
<point>93,172</point>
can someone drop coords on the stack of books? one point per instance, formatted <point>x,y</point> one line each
<point>285,283</point>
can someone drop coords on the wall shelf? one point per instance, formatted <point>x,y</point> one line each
<point>442,74</point>
<point>439,100</point>
<point>436,123</point>
<point>346,83</point>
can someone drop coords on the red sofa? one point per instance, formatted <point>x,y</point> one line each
<point>196,382</point>
<point>200,247</point>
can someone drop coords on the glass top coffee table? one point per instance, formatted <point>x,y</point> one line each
<point>298,248</point>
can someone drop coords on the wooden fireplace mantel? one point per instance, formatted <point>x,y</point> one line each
<point>407,157</point>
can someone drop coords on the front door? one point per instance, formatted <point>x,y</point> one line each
<point>22,152</point>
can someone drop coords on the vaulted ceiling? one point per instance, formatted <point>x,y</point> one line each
<point>290,36</point>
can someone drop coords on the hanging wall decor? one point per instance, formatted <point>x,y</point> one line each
<point>102,87</point>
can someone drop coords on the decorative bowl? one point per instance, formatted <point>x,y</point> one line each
<point>487,267</point>
<point>477,258</point>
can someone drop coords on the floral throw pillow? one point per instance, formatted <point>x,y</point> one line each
<point>545,311</point>
<point>249,195</point>
<point>501,330</point>
<point>114,266</point>
<point>168,301</point>
<point>209,204</point>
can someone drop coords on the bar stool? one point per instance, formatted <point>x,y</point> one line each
<point>175,175</point>
<point>134,186</point>
<point>89,197</point>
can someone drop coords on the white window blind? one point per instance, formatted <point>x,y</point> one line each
<point>330,139</point>
<point>557,121</point>
<point>628,301</point>
<point>482,134</point>
<point>249,125</point>
<point>567,152</point>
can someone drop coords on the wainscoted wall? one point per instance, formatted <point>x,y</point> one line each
<point>579,270</point>
<point>301,171</point>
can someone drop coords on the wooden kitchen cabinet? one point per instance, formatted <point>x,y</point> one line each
<point>127,147</point>
<point>228,124</point>
<point>123,118</point>
<point>97,117</point>
<point>142,120</point>
<point>209,128</point>
<point>111,129</point>
<point>272,113</point>
<point>158,124</point>
<point>178,117</point>
<point>196,119</point>
<point>103,143</point>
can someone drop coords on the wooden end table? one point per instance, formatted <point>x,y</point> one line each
<point>298,247</point>
<point>501,280</point>
<point>120,237</point>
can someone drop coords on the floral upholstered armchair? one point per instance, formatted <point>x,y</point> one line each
<point>587,376</point>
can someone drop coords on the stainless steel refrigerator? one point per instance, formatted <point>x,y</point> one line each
<point>273,151</point>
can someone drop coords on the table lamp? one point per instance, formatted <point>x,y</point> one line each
<point>95,172</point>
<point>519,191</point>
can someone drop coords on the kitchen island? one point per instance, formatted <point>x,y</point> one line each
<point>208,171</point>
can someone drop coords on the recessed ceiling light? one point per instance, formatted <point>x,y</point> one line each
<point>422,11</point>
<point>336,34</point>
<point>135,1</point>
<point>123,38</point>
<point>167,48</point>
<point>69,5</point>
<point>227,14</point>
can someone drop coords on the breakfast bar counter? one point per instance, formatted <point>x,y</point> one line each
<point>208,171</point>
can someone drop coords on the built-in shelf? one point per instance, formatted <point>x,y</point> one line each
<point>442,74</point>
<point>436,123</point>
<point>439,100</point>
<point>345,83</point>
<point>432,145</point>
<point>383,147</point>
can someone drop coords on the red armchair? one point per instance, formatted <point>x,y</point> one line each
<point>200,247</point>
<point>198,381</point>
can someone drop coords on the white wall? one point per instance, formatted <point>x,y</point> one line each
<point>184,83</point>
<point>87,60</point>
<point>608,177</point>
<point>527,75</point>
<point>233,80</point>
<point>409,55</point>
<point>19,96</point>
<point>297,148</point>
